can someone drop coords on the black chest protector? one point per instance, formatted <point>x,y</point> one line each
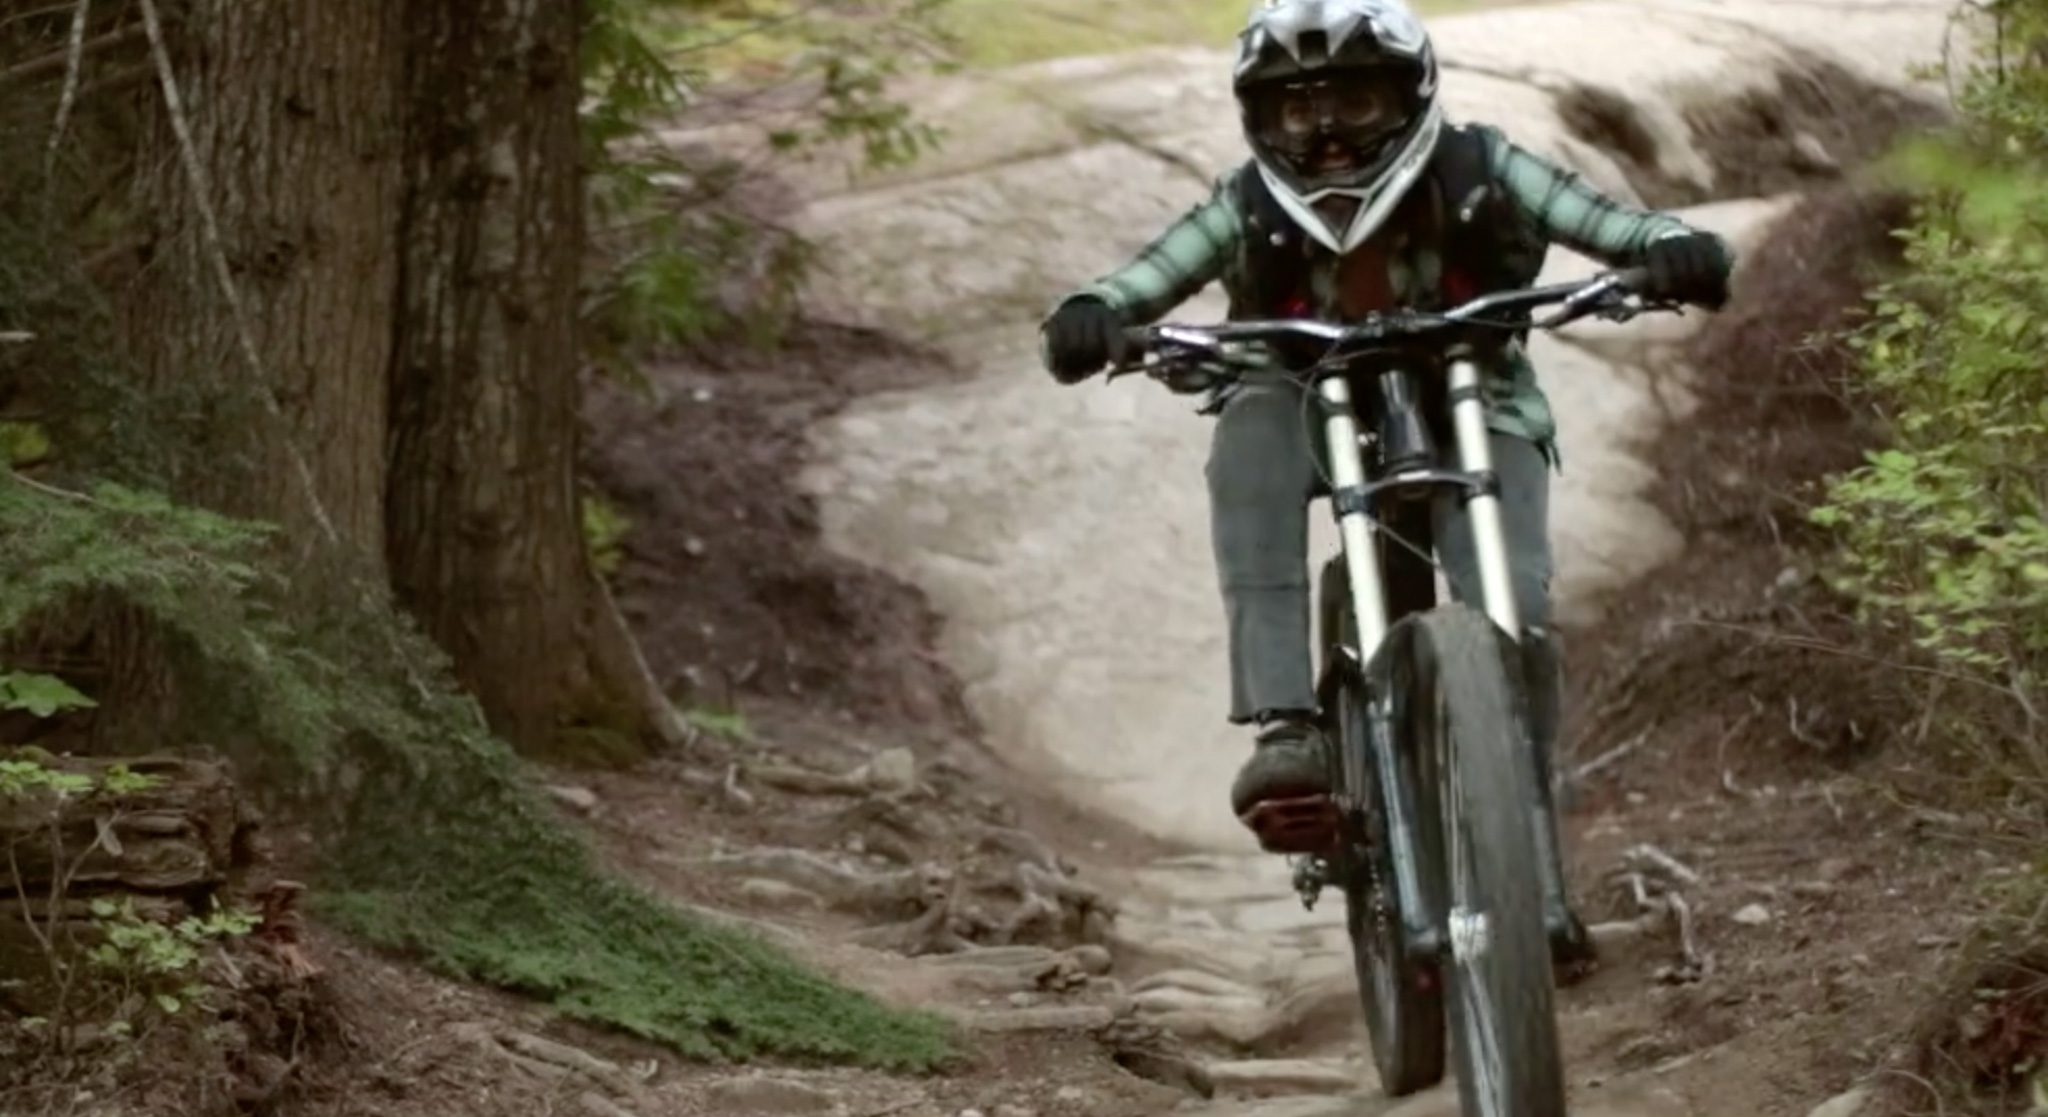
<point>1483,244</point>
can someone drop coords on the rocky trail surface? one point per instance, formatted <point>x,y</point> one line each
<point>1062,534</point>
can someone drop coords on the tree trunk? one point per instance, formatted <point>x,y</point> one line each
<point>485,539</point>
<point>293,117</point>
<point>280,168</point>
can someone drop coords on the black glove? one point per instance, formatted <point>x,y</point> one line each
<point>1081,337</point>
<point>1689,268</point>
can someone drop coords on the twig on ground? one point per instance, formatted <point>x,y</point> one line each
<point>738,795</point>
<point>1694,965</point>
<point>1639,890</point>
<point>1798,727</point>
<point>1679,871</point>
<point>1609,758</point>
<point>1721,753</point>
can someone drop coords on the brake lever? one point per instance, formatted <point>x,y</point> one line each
<point>1607,297</point>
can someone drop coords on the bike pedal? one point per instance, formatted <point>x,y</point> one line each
<point>1306,825</point>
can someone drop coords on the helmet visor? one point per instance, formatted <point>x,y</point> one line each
<point>1333,125</point>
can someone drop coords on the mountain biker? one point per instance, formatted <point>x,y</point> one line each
<point>1359,196</point>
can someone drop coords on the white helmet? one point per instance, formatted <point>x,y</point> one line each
<point>1339,99</point>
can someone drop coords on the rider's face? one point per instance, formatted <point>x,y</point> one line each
<point>1352,103</point>
<point>1330,124</point>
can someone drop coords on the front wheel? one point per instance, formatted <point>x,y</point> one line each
<point>1470,737</point>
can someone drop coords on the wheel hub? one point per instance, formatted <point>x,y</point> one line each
<point>1471,937</point>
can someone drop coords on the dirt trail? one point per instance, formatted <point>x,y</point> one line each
<point>1062,534</point>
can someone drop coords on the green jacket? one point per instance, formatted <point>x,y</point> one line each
<point>1559,207</point>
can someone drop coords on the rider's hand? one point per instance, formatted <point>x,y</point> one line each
<point>1080,338</point>
<point>1690,267</point>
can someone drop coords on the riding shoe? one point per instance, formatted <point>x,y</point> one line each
<point>1288,762</point>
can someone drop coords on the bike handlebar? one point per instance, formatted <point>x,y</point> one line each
<point>1606,293</point>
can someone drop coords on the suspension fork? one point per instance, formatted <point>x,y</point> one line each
<point>1365,583</point>
<point>1497,589</point>
<point>1482,508</point>
<point>1354,524</point>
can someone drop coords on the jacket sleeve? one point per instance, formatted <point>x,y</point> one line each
<point>1569,211</point>
<point>1188,256</point>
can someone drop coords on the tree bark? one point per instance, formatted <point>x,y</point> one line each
<point>267,388</point>
<point>485,538</point>
<point>292,107</point>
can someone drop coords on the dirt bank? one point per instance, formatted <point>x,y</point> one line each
<point>723,577</point>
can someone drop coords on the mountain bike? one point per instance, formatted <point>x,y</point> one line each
<point>1437,833</point>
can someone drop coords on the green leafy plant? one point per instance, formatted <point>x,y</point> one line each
<point>1941,535</point>
<point>39,695</point>
<point>730,724</point>
<point>1944,531</point>
<point>20,778</point>
<point>157,960</point>
<point>119,780</point>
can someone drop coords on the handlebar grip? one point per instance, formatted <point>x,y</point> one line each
<point>1133,343</point>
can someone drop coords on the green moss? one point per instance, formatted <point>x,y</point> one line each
<point>605,527</point>
<point>23,443</point>
<point>730,724</point>
<point>508,898</point>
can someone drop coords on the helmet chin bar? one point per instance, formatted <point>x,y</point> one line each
<point>1375,202</point>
